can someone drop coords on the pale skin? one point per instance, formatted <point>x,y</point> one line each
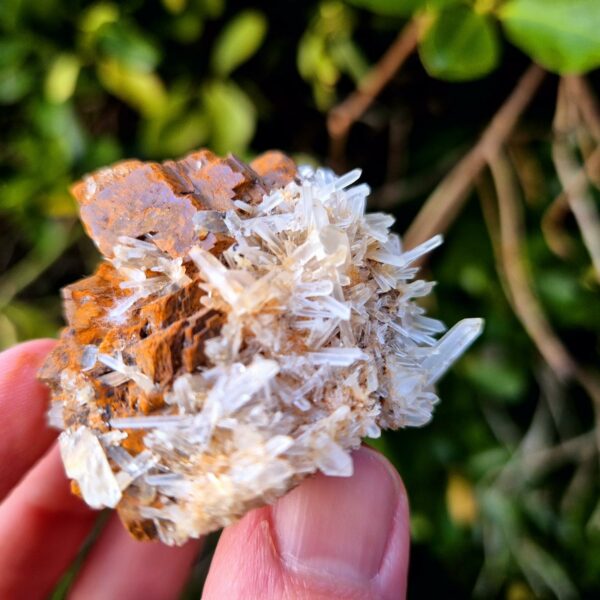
<point>329,538</point>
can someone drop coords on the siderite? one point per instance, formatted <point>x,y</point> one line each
<point>248,326</point>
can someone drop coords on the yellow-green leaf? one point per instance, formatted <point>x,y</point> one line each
<point>97,15</point>
<point>184,134</point>
<point>143,91</point>
<point>61,78</point>
<point>239,41</point>
<point>232,117</point>
<point>175,6</point>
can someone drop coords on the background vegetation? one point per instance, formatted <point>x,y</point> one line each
<point>438,102</point>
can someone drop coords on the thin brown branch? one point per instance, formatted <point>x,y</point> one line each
<point>446,201</point>
<point>567,165</point>
<point>526,305</point>
<point>580,91</point>
<point>489,210</point>
<point>579,486</point>
<point>583,98</point>
<point>528,167</point>
<point>558,241</point>
<point>344,115</point>
<point>577,449</point>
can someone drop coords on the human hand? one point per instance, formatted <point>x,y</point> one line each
<point>328,538</point>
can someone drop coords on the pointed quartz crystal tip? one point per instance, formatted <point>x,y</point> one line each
<point>248,326</point>
<point>85,461</point>
<point>451,347</point>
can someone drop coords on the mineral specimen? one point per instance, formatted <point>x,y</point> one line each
<point>248,326</point>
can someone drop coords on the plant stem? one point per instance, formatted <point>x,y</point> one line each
<point>344,115</point>
<point>446,201</point>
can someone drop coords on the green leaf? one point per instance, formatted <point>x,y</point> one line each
<point>392,8</point>
<point>349,58</point>
<point>13,50</point>
<point>314,62</point>
<point>61,78</point>
<point>15,83</point>
<point>10,12</point>
<point>212,8</point>
<point>238,41</point>
<point>16,77</point>
<point>562,35</point>
<point>97,15</point>
<point>175,6</point>
<point>123,42</point>
<point>103,151</point>
<point>182,135</point>
<point>460,45</point>
<point>232,117</point>
<point>60,124</point>
<point>186,28</point>
<point>143,91</point>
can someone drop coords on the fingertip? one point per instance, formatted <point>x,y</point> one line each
<point>42,526</point>
<point>18,371</point>
<point>133,569</point>
<point>24,433</point>
<point>391,579</point>
<point>329,537</point>
<point>348,530</point>
<point>32,349</point>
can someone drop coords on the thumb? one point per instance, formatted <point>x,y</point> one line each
<point>332,537</point>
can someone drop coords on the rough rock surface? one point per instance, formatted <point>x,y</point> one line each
<point>248,326</point>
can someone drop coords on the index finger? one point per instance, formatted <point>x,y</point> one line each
<point>24,433</point>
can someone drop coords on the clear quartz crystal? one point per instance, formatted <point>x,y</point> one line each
<point>86,462</point>
<point>322,343</point>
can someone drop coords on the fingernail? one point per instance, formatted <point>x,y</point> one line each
<point>338,527</point>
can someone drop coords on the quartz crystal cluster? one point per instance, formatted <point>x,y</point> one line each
<point>248,326</point>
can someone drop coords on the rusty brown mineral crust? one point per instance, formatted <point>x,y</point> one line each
<point>248,325</point>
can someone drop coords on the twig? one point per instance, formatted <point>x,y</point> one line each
<point>567,166</point>
<point>526,305</point>
<point>489,210</point>
<point>529,171</point>
<point>344,115</point>
<point>578,449</point>
<point>583,478</point>
<point>579,90</point>
<point>588,133</point>
<point>447,199</point>
<point>558,241</point>
<point>553,393</point>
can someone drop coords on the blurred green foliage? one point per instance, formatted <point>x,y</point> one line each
<point>504,483</point>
